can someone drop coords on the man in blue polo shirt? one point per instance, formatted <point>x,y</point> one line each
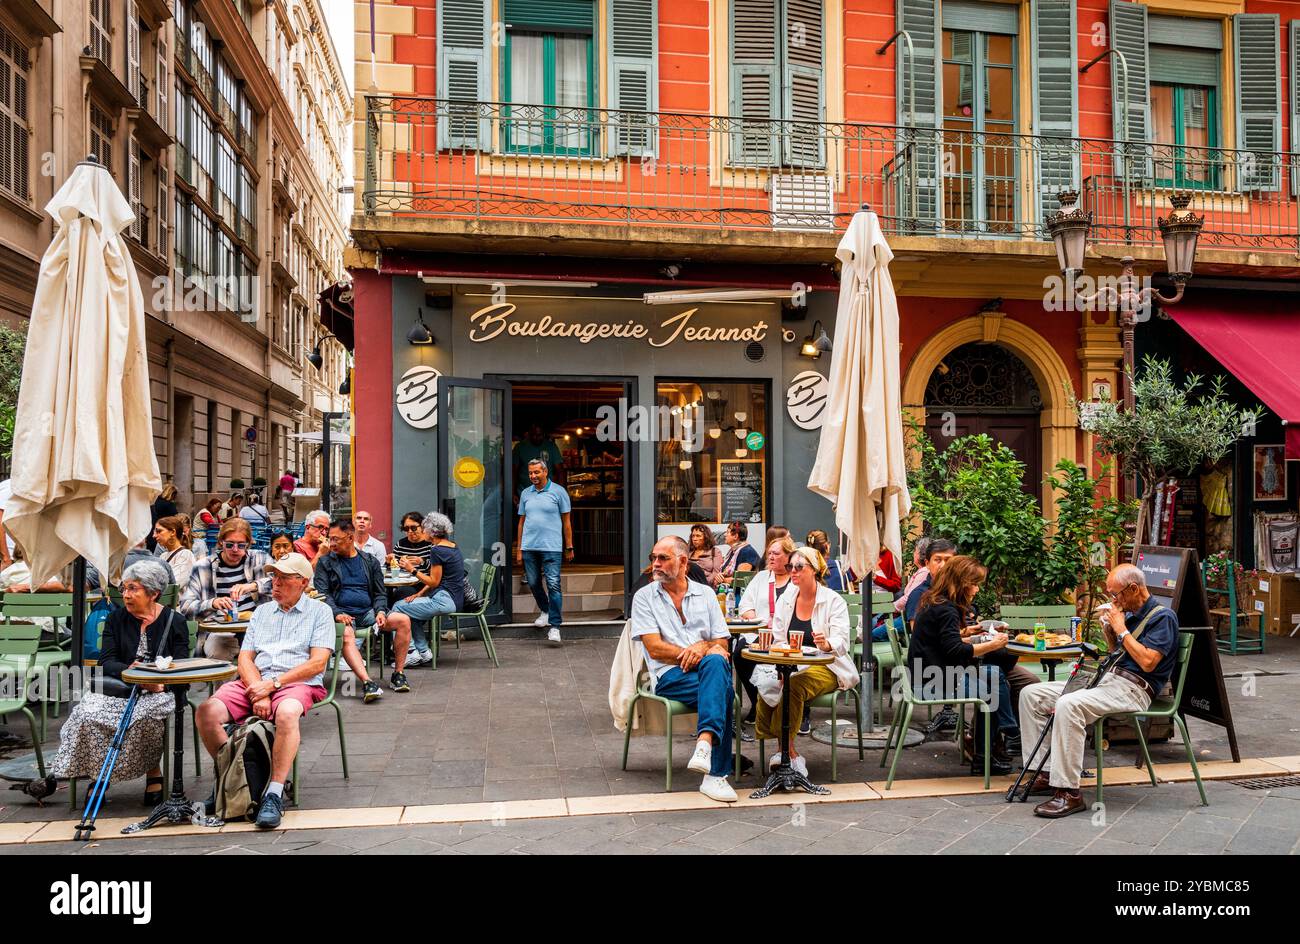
<point>1148,634</point>
<point>544,534</point>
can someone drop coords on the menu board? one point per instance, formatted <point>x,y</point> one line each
<point>741,491</point>
<point>1173,576</point>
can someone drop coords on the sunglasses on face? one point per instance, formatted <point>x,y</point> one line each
<point>234,545</point>
<point>410,527</point>
<point>661,558</point>
<point>796,568</point>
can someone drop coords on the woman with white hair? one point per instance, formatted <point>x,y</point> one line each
<point>442,584</point>
<point>138,631</point>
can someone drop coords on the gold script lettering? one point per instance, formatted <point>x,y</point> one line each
<point>681,321</point>
<point>494,316</point>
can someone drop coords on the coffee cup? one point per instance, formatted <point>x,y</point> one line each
<point>764,639</point>
<point>796,639</point>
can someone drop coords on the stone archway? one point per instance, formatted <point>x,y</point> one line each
<point>1058,420</point>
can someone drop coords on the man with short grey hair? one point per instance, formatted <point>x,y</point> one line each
<point>316,526</point>
<point>367,543</point>
<point>687,649</point>
<point>544,537</point>
<point>1148,634</point>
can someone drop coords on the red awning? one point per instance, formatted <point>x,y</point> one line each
<point>1258,341</point>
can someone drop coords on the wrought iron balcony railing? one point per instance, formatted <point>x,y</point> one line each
<point>434,158</point>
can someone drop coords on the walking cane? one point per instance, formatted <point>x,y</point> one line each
<point>1103,666</point>
<point>100,786</point>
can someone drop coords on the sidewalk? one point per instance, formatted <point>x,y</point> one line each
<point>539,728</point>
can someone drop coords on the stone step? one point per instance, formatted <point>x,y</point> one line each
<point>524,607</point>
<point>580,581</point>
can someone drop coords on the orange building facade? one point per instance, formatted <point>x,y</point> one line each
<point>570,158</point>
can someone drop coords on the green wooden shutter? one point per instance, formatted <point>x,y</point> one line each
<point>1294,73</point>
<point>1056,101</point>
<point>755,139</point>
<point>463,72</point>
<point>914,173</point>
<point>555,16</point>
<point>1181,65</point>
<point>633,79</point>
<point>1128,34</point>
<point>803,82</point>
<point>1259,99</point>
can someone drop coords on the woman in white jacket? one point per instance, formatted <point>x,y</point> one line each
<point>821,614</point>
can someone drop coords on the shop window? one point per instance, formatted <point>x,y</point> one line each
<point>710,465</point>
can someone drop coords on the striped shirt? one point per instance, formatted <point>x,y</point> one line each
<point>225,578</point>
<point>283,639</point>
<point>420,549</point>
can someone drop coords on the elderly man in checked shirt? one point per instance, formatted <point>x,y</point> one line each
<point>281,666</point>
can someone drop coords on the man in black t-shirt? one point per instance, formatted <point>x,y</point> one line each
<point>1148,634</point>
<point>352,584</point>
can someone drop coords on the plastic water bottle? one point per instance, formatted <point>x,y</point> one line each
<point>731,601</point>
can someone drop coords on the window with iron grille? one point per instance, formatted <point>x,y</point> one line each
<point>100,17</point>
<point>15,66</point>
<point>101,136</point>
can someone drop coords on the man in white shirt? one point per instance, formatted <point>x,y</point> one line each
<point>687,647</point>
<point>367,543</point>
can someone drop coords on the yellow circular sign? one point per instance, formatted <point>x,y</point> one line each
<point>468,472</point>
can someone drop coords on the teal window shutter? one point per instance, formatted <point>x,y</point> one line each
<point>1259,99</point>
<point>1181,65</point>
<point>463,72</point>
<point>1294,72</point>
<point>633,77</point>
<point>1128,34</point>
<point>803,83</point>
<point>1056,100</point>
<point>913,175</point>
<point>753,82</point>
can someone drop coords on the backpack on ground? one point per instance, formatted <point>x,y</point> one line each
<point>244,769</point>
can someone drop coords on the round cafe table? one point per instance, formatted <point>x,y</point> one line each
<point>785,777</point>
<point>176,808</point>
<point>1048,658</point>
<point>221,626</point>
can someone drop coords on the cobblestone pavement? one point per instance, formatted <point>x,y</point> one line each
<point>1137,821</point>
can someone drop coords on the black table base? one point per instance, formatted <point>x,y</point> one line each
<point>785,777</point>
<point>176,809</point>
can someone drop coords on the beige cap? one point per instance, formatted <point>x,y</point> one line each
<point>294,564</point>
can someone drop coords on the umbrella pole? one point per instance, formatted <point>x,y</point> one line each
<point>78,623</point>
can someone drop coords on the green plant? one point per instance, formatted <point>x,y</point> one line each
<point>1090,529</point>
<point>236,483</point>
<point>13,342</point>
<point>972,493</point>
<point>1170,431</point>
<point>259,482</point>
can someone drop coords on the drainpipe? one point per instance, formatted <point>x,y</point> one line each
<point>58,129</point>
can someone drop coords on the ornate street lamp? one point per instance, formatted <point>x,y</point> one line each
<point>1069,228</point>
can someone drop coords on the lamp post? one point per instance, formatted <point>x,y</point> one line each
<point>1179,232</point>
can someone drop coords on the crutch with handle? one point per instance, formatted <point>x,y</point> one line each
<point>1082,677</point>
<point>100,787</point>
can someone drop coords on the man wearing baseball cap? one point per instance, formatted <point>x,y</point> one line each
<point>281,669</point>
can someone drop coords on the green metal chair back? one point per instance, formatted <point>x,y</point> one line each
<point>740,580</point>
<point>20,640</point>
<point>193,627</point>
<point>1056,617</point>
<point>28,605</point>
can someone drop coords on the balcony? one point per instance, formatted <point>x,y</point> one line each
<point>594,174</point>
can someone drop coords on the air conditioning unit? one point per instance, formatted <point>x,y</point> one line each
<point>802,202</point>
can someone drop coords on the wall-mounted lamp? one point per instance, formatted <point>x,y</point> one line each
<point>817,343</point>
<point>420,333</point>
<point>345,388</point>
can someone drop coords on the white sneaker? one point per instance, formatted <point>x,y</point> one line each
<point>553,634</point>
<point>416,658</point>
<point>702,759</point>
<point>800,765</point>
<point>541,621</point>
<point>717,788</point>
<point>774,761</point>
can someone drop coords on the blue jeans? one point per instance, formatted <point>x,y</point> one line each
<point>992,679</point>
<point>549,600</point>
<point>710,691</point>
<point>881,632</point>
<point>421,610</point>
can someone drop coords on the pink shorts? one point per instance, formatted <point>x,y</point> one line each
<point>235,697</point>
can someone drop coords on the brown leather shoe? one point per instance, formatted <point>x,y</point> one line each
<point>1062,803</point>
<point>1041,786</point>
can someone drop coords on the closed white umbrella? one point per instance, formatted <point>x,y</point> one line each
<point>84,469</point>
<point>861,466</point>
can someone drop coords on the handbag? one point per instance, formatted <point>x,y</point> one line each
<point>470,600</point>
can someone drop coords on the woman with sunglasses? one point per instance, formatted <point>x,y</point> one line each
<point>823,617</point>
<point>413,552</point>
<point>232,579</point>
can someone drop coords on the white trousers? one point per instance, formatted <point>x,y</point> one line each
<point>1075,713</point>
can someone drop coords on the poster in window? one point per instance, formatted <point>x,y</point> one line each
<point>741,490</point>
<point>1270,473</point>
